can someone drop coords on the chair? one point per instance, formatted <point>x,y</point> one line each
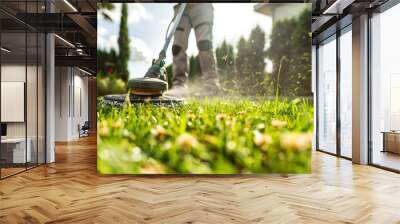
<point>84,130</point>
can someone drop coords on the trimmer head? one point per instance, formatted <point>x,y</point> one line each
<point>148,89</point>
<point>154,82</point>
<point>120,99</point>
<point>147,86</point>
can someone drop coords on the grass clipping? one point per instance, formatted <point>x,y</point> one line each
<point>206,137</point>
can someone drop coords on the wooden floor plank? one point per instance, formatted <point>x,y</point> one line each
<point>70,191</point>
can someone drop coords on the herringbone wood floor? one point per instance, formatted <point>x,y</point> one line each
<point>70,191</point>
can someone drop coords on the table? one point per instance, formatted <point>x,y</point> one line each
<point>391,141</point>
<point>15,148</point>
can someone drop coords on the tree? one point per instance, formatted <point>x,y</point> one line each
<point>194,67</point>
<point>225,58</point>
<point>290,54</point>
<point>250,63</point>
<point>242,60</point>
<point>257,52</point>
<point>106,62</point>
<point>194,70</point>
<point>110,85</point>
<point>107,80</point>
<point>256,61</point>
<point>104,9</point>
<point>123,44</point>
<point>170,75</point>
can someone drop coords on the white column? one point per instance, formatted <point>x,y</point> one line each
<point>360,90</point>
<point>50,100</point>
<point>50,92</point>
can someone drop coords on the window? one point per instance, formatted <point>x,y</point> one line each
<point>385,89</point>
<point>327,95</point>
<point>346,92</point>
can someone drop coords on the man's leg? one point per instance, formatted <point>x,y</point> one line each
<point>179,47</point>
<point>180,62</point>
<point>203,25</point>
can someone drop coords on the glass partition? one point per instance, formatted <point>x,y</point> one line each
<point>385,89</point>
<point>22,88</point>
<point>346,93</point>
<point>327,95</point>
<point>13,104</point>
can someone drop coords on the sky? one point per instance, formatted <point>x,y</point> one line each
<point>147,24</point>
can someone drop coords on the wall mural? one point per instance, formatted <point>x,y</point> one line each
<point>204,88</point>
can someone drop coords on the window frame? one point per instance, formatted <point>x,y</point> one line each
<point>380,9</point>
<point>346,27</point>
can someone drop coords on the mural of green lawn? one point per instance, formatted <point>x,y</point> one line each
<point>206,137</point>
<point>260,118</point>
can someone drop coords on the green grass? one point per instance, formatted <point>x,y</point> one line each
<point>206,137</point>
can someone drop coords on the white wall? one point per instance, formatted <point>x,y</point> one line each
<point>12,73</point>
<point>62,81</point>
<point>33,126</point>
<point>71,102</point>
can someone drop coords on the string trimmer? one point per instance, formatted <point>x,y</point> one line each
<point>151,87</point>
